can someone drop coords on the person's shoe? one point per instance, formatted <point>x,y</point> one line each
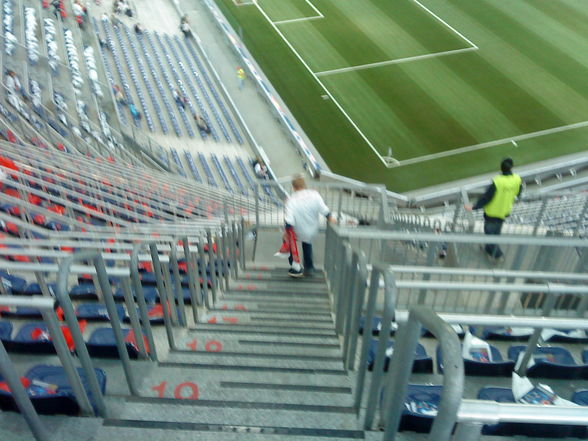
<point>309,272</point>
<point>295,273</point>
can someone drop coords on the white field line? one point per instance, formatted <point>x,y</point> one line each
<point>445,23</point>
<point>396,61</point>
<point>314,7</point>
<point>310,17</point>
<point>320,83</point>
<point>295,20</point>
<point>494,143</point>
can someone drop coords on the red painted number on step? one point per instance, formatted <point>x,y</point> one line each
<point>192,345</point>
<point>160,389</point>
<point>212,320</point>
<point>179,391</point>
<point>232,320</point>
<point>187,385</point>
<point>213,346</point>
<point>240,308</point>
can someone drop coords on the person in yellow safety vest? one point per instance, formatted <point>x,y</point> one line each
<point>497,202</point>
<point>241,76</point>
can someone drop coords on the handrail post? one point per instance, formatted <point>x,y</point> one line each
<point>177,284</point>
<point>163,297</point>
<point>138,288</point>
<point>192,270</point>
<point>399,374</point>
<point>242,246</point>
<point>356,303</point>
<point>62,296</point>
<point>213,264</point>
<point>21,397</point>
<point>347,305</point>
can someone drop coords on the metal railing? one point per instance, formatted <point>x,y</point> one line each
<point>223,259</point>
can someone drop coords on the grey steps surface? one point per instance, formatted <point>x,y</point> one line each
<point>272,346</point>
<point>239,413</point>
<point>265,328</point>
<point>220,359</point>
<point>267,320</point>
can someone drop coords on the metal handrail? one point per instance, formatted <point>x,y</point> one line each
<point>45,306</point>
<point>400,370</point>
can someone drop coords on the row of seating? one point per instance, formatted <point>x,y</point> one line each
<point>190,83</point>
<point>176,84</point>
<point>146,82</point>
<point>212,88</point>
<point>109,75</point>
<point>126,90</point>
<point>422,402</point>
<point>131,70</point>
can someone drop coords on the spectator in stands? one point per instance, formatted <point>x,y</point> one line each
<point>13,83</point>
<point>138,29</point>
<point>202,124</point>
<point>497,202</point>
<point>79,11</point>
<point>185,26</point>
<point>118,95</point>
<point>135,113</point>
<point>260,169</point>
<point>302,212</point>
<point>241,77</point>
<point>180,99</point>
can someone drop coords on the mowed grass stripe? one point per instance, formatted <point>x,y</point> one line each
<point>431,123</point>
<point>564,38</point>
<point>534,46</point>
<point>279,10</point>
<point>543,85</point>
<point>570,17</point>
<point>317,40</point>
<point>432,35</point>
<point>517,105</point>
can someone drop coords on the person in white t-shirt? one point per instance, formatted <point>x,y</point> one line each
<point>302,212</point>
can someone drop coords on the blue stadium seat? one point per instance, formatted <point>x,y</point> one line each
<point>498,367</point>
<point>422,362</point>
<point>98,312</point>
<point>83,291</point>
<point>5,331</point>
<point>22,312</point>
<point>50,391</point>
<point>13,284</point>
<point>103,344</point>
<point>376,325</point>
<point>33,289</point>
<point>499,333</point>
<point>543,431</point>
<point>149,292</point>
<point>550,362</point>
<point>31,338</point>
<point>420,407</point>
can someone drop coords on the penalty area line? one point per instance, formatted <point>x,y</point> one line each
<point>512,140</point>
<point>395,61</point>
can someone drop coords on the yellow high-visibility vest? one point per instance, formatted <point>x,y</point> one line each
<point>507,189</point>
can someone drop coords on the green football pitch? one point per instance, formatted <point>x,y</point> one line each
<point>413,93</point>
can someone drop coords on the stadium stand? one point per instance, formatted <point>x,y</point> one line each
<point>130,306</point>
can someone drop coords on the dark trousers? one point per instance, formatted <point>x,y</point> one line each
<point>493,225</point>
<point>307,262</point>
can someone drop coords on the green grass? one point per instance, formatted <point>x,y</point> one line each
<point>529,74</point>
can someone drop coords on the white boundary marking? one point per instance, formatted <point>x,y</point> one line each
<point>365,138</point>
<point>396,61</point>
<point>494,143</point>
<point>445,23</point>
<point>296,20</point>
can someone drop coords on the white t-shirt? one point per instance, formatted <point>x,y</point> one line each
<point>303,209</point>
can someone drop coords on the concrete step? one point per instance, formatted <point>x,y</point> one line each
<point>234,413</point>
<point>269,362</point>
<point>260,307</point>
<point>247,329</point>
<point>226,322</point>
<point>238,318</point>
<point>212,342</point>
<point>280,289</point>
<point>269,299</point>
